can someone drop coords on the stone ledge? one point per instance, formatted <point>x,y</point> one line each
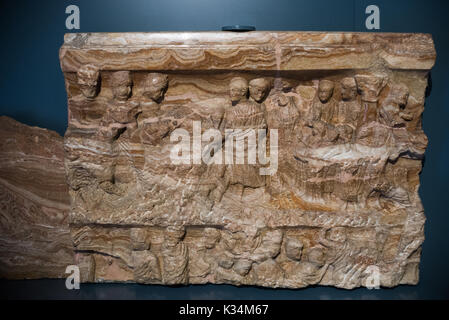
<point>258,50</point>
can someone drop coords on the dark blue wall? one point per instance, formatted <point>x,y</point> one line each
<point>32,91</point>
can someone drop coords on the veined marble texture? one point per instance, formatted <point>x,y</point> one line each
<point>342,116</point>
<point>35,238</point>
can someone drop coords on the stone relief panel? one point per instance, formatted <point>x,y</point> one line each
<point>326,189</point>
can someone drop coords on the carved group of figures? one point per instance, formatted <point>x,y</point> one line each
<point>274,258</point>
<point>326,118</point>
<point>121,118</point>
<point>303,123</point>
<point>363,109</point>
<point>330,118</point>
<point>319,114</point>
<point>367,110</point>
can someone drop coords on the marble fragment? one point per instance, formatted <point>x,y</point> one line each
<point>35,239</point>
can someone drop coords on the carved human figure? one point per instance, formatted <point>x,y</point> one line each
<point>282,114</point>
<point>244,114</point>
<point>121,84</point>
<point>248,117</point>
<point>84,110</point>
<point>145,263</point>
<point>334,239</point>
<point>156,85</point>
<point>240,244</point>
<point>325,90</point>
<point>348,110</point>
<point>259,89</point>
<point>238,90</point>
<point>139,239</point>
<point>290,261</point>
<point>324,106</point>
<point>242,266</point>
<point>203,261</point>
<point>235,262</point>
<point>217,177</point>
<point>269,247</point>
<point>392,112</point>
<point>370,133</point>
<point>88,78</point>
<point>175,256</point>
<point>152,126</point>
<point>121,110</point>
<point>293,248</point>
<point>348,91</point>
<point>314,265</point>
<point>266,268</point>
<point>240,253</point>
<point>303,265</point>
<point>119,122</point>
<point>146,267</point>
<point>370,87</point>
<point>304,98</point>
<point>211,236</point>
<point>318,123</point>
<point>338,252</point>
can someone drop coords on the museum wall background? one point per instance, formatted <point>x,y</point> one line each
<point>32,91</point>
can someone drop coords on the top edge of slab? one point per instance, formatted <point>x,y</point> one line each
<point>255,50</point>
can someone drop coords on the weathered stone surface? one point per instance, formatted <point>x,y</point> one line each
<point>339,206</point>
<point>35,239</point>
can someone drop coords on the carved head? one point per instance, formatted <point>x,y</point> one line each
<point>259,89</point>
<point>155,86</point>
<point>399,94</point>
<point>337,234</point>
<point>293,248</point>
<point>121,85</point>
<point>88,79</point>
<point>238,89</point>
<point>348,88</point>
<point>370,86</point>
<point>139,239</point>
<point>317,256</point>
<point>325,90</point>
<point>272,242</point>
<point>173,235</point>
<point>243,266</point>
<point>211,236</point>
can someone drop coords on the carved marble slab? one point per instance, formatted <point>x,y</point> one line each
<point>35,239</point>
<point>160,192</point>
